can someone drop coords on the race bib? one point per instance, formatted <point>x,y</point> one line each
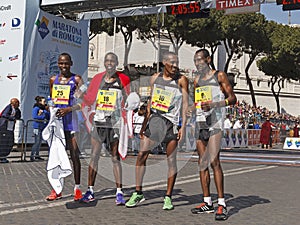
<point>61,94</point>
<point>161,99</point>
<point>202,94</point>
<point>106,100</point>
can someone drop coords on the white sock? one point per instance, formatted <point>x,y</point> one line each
<point>207,200</point>
<point>90,188</point>
<point>119,190</point>
<point>77,186</point>
<point>62,181</point>
<point>221,201</point>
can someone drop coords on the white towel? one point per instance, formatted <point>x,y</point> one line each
<point>123,139</point>
<point>126,129</point>
<point>130,123</point>
<point>132,103</point>
<point>58,166</point>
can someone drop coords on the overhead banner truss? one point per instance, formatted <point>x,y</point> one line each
<point>72,8</point>
<point>137,11</point>
<point>97,9</point>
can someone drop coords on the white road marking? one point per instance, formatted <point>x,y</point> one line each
<point>149,186</point>
<point>225,174</point>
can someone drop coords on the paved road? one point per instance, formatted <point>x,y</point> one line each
<point>260,188</point>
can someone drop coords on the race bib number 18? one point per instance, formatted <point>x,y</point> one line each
<point>202,94</point>
<point>106,100</point>
<point>61,94</point>
<point>161,99</point>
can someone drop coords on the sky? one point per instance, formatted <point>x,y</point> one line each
<point>274,12</point>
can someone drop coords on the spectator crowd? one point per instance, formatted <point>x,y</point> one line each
<point>251,117</point>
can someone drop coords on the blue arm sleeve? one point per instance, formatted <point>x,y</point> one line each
<point>35,115</point>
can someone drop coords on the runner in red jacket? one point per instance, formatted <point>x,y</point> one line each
<point>104,101</point>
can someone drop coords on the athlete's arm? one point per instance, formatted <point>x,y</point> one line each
<point>226,89</point>
<point>193,108</point>
<point>79,81</point>
<point>51,81</point>
<point>148,113</point>
<point>183,82</point>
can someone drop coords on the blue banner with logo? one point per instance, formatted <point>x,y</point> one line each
<point>51,36</point>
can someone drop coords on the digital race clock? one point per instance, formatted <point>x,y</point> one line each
<point>184,8</point>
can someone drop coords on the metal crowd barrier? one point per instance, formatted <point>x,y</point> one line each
<point>23,134</point>
<point>233,138</point>
<point>9,138</point>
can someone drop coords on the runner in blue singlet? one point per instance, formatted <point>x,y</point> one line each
<point>62,90</point>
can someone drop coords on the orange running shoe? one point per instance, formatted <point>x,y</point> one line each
<point>53,196</point>
<point>77,194</point>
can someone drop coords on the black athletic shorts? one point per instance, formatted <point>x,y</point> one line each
<point>160,129</point>
<point>105,134</point>
<point>204,134</point>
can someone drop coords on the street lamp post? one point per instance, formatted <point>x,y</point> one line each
<point>114,37</point>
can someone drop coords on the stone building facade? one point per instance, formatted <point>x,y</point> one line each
<point>143,54</point>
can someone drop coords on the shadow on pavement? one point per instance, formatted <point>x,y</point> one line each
<point>77,204</point>
<point>243,202</point>
<point>196,199</point>
<point>178,198</point>
<point>107,193</point>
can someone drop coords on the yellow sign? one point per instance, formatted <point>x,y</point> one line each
<point>61,94</point>
<point>161,99</point>
<point>106,100</point>
<point>202,94</point>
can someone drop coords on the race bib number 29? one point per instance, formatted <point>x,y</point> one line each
<point>61,94</point>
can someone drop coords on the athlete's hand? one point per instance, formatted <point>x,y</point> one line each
<point>142,132</point>
<point>63,111</point>
<point>181,134</point>
<point>191,109</point>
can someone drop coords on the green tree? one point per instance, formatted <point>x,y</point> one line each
<point>150,29</point>
<point>125,25</point>
<point>175,30</point>
<point>232,27</point>
<point>101,25</point>
<point>282,62</point>
<point>257,41</point>
<point>245,33</point>
<point>167,26</point>
<point>204,32</point>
